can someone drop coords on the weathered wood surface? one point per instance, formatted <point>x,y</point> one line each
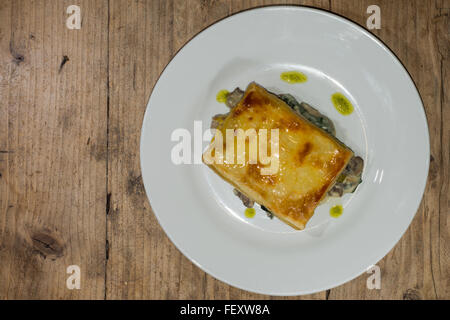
<point>70,182</point>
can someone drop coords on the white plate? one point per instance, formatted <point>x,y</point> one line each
<point>198,210</point>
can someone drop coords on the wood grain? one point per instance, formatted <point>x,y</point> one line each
<point>52,180</point>
<point>417,267</point>
<point>70,184</point>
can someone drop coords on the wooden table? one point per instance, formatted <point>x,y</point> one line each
<point>71,109</point>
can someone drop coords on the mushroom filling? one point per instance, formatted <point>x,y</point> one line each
<point>348,180</point>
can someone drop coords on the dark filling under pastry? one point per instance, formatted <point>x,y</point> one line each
<point>350,177</point>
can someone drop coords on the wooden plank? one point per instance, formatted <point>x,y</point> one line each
<point>52,137</point>
<point>170,275</point>
<point>417,267</point>
<point>144,36</point>
<point>440,249</point>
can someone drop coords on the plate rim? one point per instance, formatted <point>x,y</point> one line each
<point>380,44</point>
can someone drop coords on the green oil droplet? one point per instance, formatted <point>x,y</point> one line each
<point>336,211</point>
<point>222,96</point>
<point>250,212</point>
<point>342,104</point>
<point>293,77</point>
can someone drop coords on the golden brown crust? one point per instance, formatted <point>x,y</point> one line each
<point>310,159</point>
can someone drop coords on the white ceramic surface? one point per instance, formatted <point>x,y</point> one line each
<point>198,210</point>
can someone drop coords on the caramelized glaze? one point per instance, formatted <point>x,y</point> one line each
<point>310,159</point>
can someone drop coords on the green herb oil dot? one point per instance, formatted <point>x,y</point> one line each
<point>250,212</point>
<point>342,104</point>
<point>336,211</point>
<point>222,96</point>
<point>293,77</point>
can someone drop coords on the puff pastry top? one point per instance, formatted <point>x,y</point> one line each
<point>310,160</point>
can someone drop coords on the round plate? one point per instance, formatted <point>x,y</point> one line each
<point>198,210</point>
